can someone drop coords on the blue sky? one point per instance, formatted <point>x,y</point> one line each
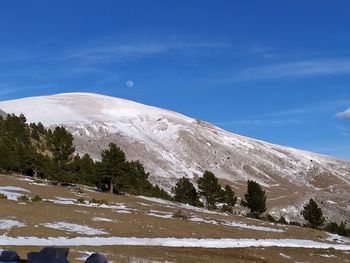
<point>276,70</point>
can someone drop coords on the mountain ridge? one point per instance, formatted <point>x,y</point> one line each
<point>172,145</point>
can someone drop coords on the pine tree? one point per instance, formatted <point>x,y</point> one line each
<point>313,214</point>
<point>185,192</point>
<point>210,188</point>
<point>113,166</point>
<point>62,145</point>
<point>228,196</point>
<point>255,199</point>
<point>87,170</point>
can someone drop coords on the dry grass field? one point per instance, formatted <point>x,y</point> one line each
<point>136,229</point>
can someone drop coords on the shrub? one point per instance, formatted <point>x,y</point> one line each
<point>23,198</point>
<point>227,209</point>
<point>180,215</point>
<point>270,218</point>
<point>81,200</point>
<point>282,220</point>
<point>3,196</point>
<point>103,202</point>
<point>37,198</point>
<point>98,202</point>
<point>340,229</point>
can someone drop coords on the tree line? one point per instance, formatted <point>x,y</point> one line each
<point>50,154</point>
<point>212,193</point>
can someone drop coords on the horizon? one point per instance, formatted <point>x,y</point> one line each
<point>276,71</point>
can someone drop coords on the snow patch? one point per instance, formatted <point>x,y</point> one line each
<point>102,219</point>
<point>9,223</point>
<point>168,242</point>
<point>284,256</point>
<point>237,224</point>
<point>80,229</point>
<point>12,192</point>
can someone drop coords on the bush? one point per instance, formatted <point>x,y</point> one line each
<point>98,202</point>
<point>81,200</point>
<point>270,218</point>
<point>227,208</point>
<point>180,215</point>
<point>340,229</point>
<point>37,198</point>
<point>282,220</point>
<point>3,196</point>
<point>23,198</point>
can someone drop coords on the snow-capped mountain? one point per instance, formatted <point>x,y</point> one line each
<point>172,145</point>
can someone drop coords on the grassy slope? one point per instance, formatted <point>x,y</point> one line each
<point>137,223</point>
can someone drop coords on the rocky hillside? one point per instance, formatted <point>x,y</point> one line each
<point>172,145</point>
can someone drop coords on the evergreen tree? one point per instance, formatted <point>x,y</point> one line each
<point>313,214</point>
<point>210,188</point>
<point>62,145</point>
<point>113,166</point>
<point>185,192</point>
<point>135,179</point>
<point>16,129</point>
<point>228,196</point>
<point>87,170</point>
<point>255,199</point>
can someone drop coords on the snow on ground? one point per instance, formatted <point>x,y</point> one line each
<point>102,219</point>
<point>143,204</point>
<point>236,224</point>
<point>117,207</point>
<point>160,214</point>
<point>85,254</point>
<point>14,189</point>
<point>142,260</point>
<point>12,192</point>
<point>327,256</point>
<point>10,223</point>
<point>168,242</point>
<point>285,256</point>
<point>257,228</point>
<point>80,229</point>
<point>171,204</point>
<point>337,238</point>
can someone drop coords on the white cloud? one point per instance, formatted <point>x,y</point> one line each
<point>344,115</point>
<point>304,68</point>
<point>130,83</point>
<point>109,51</point>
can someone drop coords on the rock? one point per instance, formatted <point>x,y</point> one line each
<point>9,256</point>
<point>96,258</point>
<point>49,255</point>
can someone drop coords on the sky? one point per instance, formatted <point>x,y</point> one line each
<point>276,70</point>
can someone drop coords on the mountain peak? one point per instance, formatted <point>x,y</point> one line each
<point>172,145</point>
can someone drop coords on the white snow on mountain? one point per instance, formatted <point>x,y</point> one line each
<point>172,145</point>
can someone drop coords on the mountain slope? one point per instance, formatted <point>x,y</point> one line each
<point>3,114</point>
<point>172,145</point>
